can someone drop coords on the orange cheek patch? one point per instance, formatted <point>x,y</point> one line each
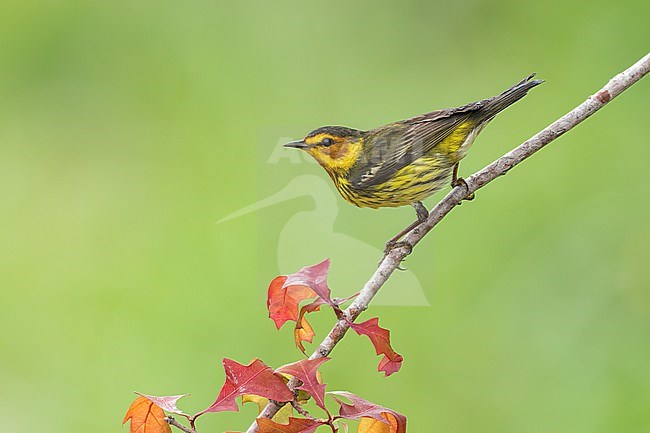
<point>339,156</point>
<point>336,151</point>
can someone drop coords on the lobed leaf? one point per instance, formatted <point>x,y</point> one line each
<point>307,371</point>
<point>285,293</point>
<point>380,338</point>
<point>282,302</point>
<point>167,403</point>
<point>255,378</point>
<point>361,408</point>
<point>315,278</point>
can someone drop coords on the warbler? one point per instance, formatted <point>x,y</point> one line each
<point>404,162</point>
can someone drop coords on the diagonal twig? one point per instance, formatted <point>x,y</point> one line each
<point>498,168</point>
<point>301,410</point>
<point>172,421</point>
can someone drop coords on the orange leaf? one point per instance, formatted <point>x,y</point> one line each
<point>146,417</point>
<point>303,330</point>
<point>282,302</point>
<point>371,425</point>
<point>361,408</point>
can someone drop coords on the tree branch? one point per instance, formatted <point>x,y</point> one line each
<point>476,181</point>
<point>172,421</point>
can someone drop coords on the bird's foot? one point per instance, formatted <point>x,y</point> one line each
<point>391,245</point>
<point>395,242</point>
<point>459,181</point>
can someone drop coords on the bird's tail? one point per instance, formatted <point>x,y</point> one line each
<point>496,104</point>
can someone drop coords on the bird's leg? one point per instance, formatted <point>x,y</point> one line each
<point>457,181</point>
<point>454,175</point>
<point>422,213</point>
<point>393,242</point>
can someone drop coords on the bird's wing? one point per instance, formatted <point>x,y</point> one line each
<point>397,145</point>
<point>394,148</point>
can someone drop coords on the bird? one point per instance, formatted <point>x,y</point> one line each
<point>404,162</point>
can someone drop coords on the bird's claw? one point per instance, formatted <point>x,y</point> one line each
<point>390,246</point>
<point>462,182</point>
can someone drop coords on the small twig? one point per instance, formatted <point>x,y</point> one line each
<point>498,168</point>
<point>351,297</point>
<point>172,421</point>
<point>301,410</point>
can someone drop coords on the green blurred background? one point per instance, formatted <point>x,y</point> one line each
<point>127,129</point>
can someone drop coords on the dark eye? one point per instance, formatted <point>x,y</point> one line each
<point>326,142</point>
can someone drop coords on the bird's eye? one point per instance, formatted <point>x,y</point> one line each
<point>326,142</point>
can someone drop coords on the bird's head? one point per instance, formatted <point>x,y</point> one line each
<point>336,148</point>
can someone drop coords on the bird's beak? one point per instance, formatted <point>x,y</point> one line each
<point>298,144</point>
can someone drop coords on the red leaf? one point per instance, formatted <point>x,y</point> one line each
<point>306,370</point>
<point>167,403</point>
<point>314,277</point>
<point>361,408</point>
<point>296,425</point>
<point>282,302</point>
<point>303,330</point>
<point>146,417</point>
<point>380,338</point>
<point>255,378</point>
